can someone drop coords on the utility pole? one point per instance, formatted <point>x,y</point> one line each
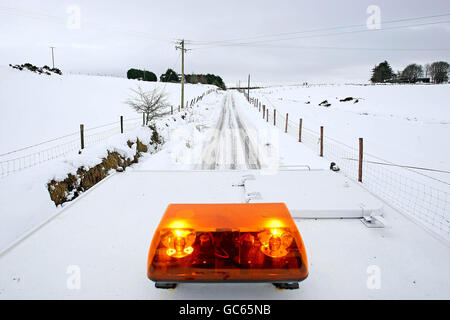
<point>183,50</point>
<point>53,58</point>
<point>248,90</point>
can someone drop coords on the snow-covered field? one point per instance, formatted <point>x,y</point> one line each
<point>106,232</point>
<point>36,108</point>
<point>404,124</point>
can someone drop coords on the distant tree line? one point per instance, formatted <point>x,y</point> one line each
<point>45,69</point>
<point>205,79</point>
<point>171,76</point>
<point>436,72</point>
<point>141,75</point>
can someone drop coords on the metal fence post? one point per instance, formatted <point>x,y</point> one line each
<point>286,126</point>
<point>82,135</point>
<point>300,130</point>
<point>321,141</point>
<point>360,164</point>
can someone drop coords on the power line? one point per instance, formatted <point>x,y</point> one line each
<point>340,48</point>
<point>259,43</point>
<point>320,35</point>
<point>89,26</point>
<point>315,30</point>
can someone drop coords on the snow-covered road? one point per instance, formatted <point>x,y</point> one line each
<point>229,145</point>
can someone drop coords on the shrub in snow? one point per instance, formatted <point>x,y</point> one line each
<point>325,103</point>
<point>45,69</point>
<point>155,138</point>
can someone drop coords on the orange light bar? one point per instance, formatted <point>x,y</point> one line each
<point>227,242</point>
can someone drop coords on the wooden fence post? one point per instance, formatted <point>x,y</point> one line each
<point>286,126</point>
<point>300,130</point>
<point>171,109</point>
<point>143,119</point>
<point>274,117</point>
<point>264,110</point>
<point>121,124</point>
<point>82,135</point>
<point>321,141</point>
<point>360,166</point>
<point>267,115</point>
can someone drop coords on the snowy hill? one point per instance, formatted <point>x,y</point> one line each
<point>404,124</point>
<point>54,106</point>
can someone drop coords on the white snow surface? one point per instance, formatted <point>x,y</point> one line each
<point>106,233</point>
<point>404,124</point>
<point>36,108</point>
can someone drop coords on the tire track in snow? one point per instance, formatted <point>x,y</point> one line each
<point>230,146</point>
<point>250,152</point>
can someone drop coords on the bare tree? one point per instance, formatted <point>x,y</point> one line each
<point>412,72</point>
<point>152,103</point>
<point>427,70</point>
<point>439,71</point>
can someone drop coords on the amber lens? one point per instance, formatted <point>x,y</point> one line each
<point>227,242</point>
<point>178,242</point>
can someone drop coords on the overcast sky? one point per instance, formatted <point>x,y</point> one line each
<point>111,36</point>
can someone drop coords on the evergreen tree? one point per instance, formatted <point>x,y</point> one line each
<point>382,72</point>
<point>141,75</point>
<point>170,76</point>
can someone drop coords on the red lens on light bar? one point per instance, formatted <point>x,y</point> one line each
<point>227,242</point>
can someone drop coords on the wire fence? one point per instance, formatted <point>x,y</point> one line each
<point>421,197</point>
<point>37,154</point>
<point>21,159</point>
